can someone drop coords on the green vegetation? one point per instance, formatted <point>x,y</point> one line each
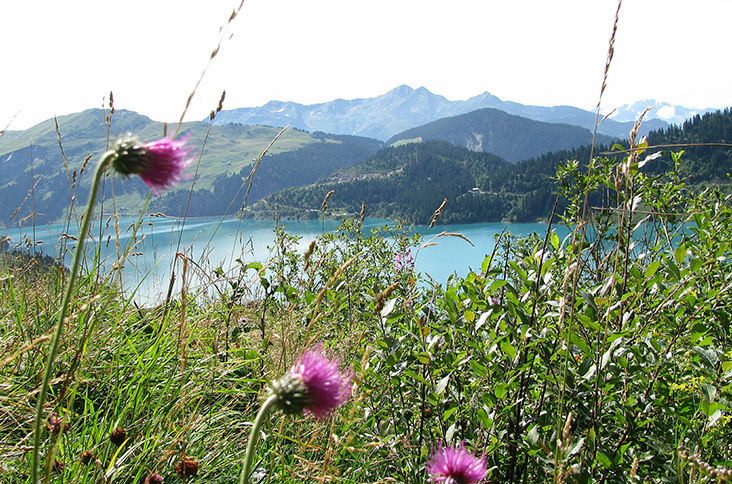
<point>302,166</point>
<point>480,187</point>
<point>603,357</point>
<point>32,163</point>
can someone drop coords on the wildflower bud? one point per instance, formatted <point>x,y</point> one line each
<point>153,478</point>
<point>186,467</point>
<point>130,157</point>
<point>86,457</point>
<point>56,423</point>
<point>313,385</point>
<point>292,393</point>
<point>118,436</point>
<point>161,164</point>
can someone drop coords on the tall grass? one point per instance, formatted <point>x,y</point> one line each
<point>603,357</point>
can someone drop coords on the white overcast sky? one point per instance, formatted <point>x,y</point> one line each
<point>60,57</point>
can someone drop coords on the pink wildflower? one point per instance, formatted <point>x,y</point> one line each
<point>153,478</point>
<point>161,164</point>
<point>404,262</point>
<point>455,465</point>
<point>314,385</point>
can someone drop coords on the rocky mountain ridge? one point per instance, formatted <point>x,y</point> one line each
<point>404,108</point>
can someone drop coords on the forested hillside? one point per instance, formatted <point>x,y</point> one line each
<point>43,167</point>
<point>410,181</point>
<point>275,172</point>
<point>513,138</point>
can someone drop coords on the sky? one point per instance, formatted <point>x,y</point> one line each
<point>63,57</point>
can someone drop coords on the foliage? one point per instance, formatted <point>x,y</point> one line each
<point>44,167</point>
<point>588,359</point>
<point>483,188</point>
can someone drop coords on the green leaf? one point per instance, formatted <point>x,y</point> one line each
<point>507,348</point>
<point>253,265</point>
<point>680,253</point>
<point>501,389</point>
<point>709,392</point>
<point>589,322</point>
<point>576,447</point>
<point>441,385</point>
<point>486,264</point>
<point>478,368</point>
<point>450,432</point>
<point>416,376</point>
<point>708,356</point>
<point>495,285</point>
<point>449,412</point>
<point>674,270</point>
<point>604,459</point>
<point>532,437</point>
<point>388,307</point>
<point>424,358</point>
<point>652,269</point>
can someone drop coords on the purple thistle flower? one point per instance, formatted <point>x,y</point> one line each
<point>314,385</point>
<point>455,465</point>
<point>404,261</point>
<point>161,164</point>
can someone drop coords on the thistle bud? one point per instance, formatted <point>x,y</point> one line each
<point>161,164</point>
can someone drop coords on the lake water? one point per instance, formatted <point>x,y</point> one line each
<point>216,242</point>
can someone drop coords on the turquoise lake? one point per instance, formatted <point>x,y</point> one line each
<point>216,242</point>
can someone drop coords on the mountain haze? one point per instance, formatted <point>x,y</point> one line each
<point>659,110</point>
<point>403,108</point>
<point>512,138</point>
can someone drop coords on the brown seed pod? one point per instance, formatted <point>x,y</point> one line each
<point>186,467</point>
<point>118,436</point>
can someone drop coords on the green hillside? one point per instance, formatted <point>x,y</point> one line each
<point>513,138</point>
<point>33,158</point>
<point>409,181</point>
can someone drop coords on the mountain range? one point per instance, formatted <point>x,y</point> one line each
<point>659,110</point>
<point>404,108</point>
<point>43,167</point>
<point>493,131</point>
<point>409,181</point>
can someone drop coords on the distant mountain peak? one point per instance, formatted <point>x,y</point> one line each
<point>660,110</point>
<point>403,107</point>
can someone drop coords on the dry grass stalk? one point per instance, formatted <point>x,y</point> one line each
<point>382,296</point>
<point>363,215</point>
<point>308,253</point>
<point>83,165</point>
<point>325,200</point>
<point>328,284</point>
<point>219,107</point>
<point>608,61</point>
<point>437,213</point>
<point>430,242</point>
<point>250,178</point>
<point>61,147</point>
<point>214,53</point>
<point>30,192</point>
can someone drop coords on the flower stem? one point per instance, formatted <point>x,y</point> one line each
<point>64,310</point>
<point>267,407</point>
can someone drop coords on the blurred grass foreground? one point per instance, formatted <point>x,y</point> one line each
<point>602,356</point>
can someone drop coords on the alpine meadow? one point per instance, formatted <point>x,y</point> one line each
<point>600,357</point>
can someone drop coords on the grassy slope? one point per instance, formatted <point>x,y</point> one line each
<point>228,148</point>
